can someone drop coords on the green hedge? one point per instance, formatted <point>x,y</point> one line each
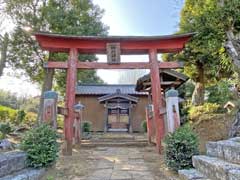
<point>5,128</point>
<point>41,146</point>
<point>86,126</point>
<point>144,125</point>
<point>180,146</point>
<point>17,116</point>
<point>206,108</point>
<point>7,114</point>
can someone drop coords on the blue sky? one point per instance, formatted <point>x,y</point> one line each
<point>137,17</point>
<point>141,17</point>
<point>124,17</point>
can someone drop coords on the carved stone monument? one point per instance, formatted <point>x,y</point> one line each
<point>50,108</point>
<point>172,106</point>
<point>77,123</point>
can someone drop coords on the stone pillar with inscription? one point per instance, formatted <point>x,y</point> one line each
<point>50,108</point>
<point>77,123</point>
<point>172,107</point>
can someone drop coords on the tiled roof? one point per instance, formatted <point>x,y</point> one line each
<point>103,89</point>
<point>117,94</point>
<point>167,75</point>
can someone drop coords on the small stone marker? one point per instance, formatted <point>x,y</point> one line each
<point>50,108</point>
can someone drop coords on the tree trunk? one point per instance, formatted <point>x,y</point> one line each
<point>235,129</point>
<point>47,86</point>
<point>198,93</point>
<point>4,46</point>
<point>233,48</point>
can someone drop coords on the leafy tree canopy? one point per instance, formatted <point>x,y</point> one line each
<point>78,17</point>
<point>205,56</point>
<point>207,46</point>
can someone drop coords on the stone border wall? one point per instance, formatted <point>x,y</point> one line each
<point>11,162</point>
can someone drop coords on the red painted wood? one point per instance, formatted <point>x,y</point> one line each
<point>96,45</point>
<point>129,65</point>
<point>56,64</point>
<point>149,126</point>
<point>156,98</point>
<point>70,99</point>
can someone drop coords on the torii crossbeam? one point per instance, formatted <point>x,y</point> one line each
<point>151,45</point>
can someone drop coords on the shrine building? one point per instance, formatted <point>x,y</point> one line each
<point>121,108</point>
<point>112,107</point>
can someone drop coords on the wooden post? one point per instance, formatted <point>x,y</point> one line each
<point>149,119</point>
<point>148,125</point>
<point>156,97</point>
<point>130,129</point>
<point>106,117</point>
<point>70,100</point>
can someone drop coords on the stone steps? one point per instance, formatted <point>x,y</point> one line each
<point>191,174</point>
<point>222,162</point>
<point>91,144</point>
<point>26,174</point>
<point>215,168</point>
<point>227,150</point>
<point>115,140</point>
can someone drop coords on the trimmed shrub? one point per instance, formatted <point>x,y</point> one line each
<point>220,93</point>
<point>7,114</point>
<point>20,116</point>
<point>86,126</point>
<point>180,146</point>
<point>2,136</point>
<point>60,122</point>
<point>41,146</point>
<point>5,129</point>
<point>207,108</point>
<point>30,118</point>
<point>144,126</point>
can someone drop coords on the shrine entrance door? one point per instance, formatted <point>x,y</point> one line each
<point>118,120</point>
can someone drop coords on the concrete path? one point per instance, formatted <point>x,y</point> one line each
<point>112,163</point>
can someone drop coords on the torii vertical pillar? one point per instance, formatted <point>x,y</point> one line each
<point>156,98</point>
<point>70,100</point>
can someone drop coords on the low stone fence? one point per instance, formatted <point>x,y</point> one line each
<point>13,167</point>
<point>11,162</point>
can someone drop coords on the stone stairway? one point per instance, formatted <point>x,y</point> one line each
<point>222,162</point>
<point>115,139</point>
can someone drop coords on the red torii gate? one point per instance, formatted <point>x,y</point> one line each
<point>136,45</point>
